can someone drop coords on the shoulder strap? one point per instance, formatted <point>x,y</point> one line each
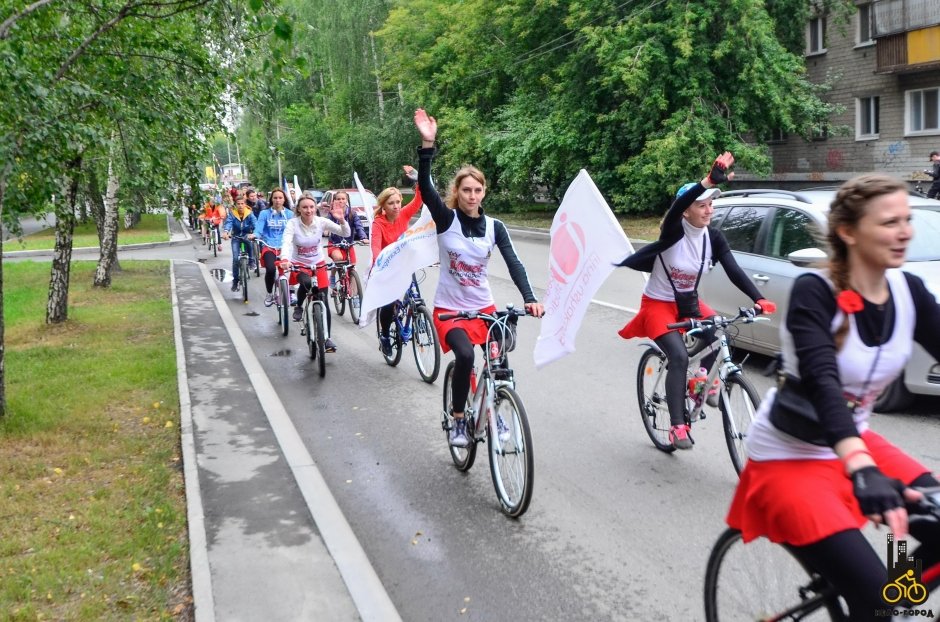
<point>700,267</point>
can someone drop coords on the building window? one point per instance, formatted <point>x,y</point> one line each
<point>816,36</point>
<point>866,116</point>
<point>777,136</point>
<point>864,24</point>
<point>820,133</point>
<point>923,111</point>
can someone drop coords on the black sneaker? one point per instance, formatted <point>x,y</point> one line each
<point>329,346</point>
<point>235,286</point>
<point>298,313</point>
<point>385,345</point>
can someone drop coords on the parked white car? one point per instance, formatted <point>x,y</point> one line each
<point>774,235</point>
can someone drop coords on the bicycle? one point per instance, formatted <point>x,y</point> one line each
<point>761,580</point>
<point>281,291</point>
<point>243,256</point>
<point>212,236</point>
<point>412,321</point>
<point>313,320</point>
<point>256,243</point>
<point>738,399</point>
<point>345,283</point>
<point>495,413</point>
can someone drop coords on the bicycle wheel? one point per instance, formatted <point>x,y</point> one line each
<point>257,259</point>
<point>309,329</point>
<point>651,391</point>
<point>738,401</point>
<point>511,462</point>
<point>395,357</point>
<point>215,246</point>
<point>761,580</point>
<point>321,337</point>
<point>283,305</point>
<point>463,457</point>
<point>424,343</point>
<point>354,291</point>
<point>338,292</point>
<point>243,277</point>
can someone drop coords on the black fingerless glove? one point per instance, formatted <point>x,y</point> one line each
<point>719,174</point>
<point>876,492</point>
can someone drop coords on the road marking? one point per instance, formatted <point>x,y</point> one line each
<point>365,588</point>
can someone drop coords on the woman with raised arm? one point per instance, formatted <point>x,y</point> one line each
<point>466,237</point>
<point>676,261</point>
<point>813,482</point>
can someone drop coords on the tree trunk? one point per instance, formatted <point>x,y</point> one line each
<point>57,308</point>
<point>378,80</point>
<point>108,232</point>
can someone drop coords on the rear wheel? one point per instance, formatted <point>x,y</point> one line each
<point>283,305</point>
<point>739,401</point>
<point>761,580</point>
<point>511,462</point>
<point>651,391</point>
<point>318,320</point>
<point>463,457</point>
<point>354,289</point>
<point>424,343</point>
<point>338,292</point>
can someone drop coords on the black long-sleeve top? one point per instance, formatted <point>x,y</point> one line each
<point>809,320</point>
<point>471,227</point>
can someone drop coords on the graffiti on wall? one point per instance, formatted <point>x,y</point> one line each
<point>834,159</point>
<point>892,154</point>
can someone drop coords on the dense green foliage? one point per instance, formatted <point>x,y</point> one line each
<point>642,94</point>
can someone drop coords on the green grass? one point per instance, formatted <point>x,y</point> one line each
<point>151,228</point>
<point>537,216</point>
<point>91,490</point>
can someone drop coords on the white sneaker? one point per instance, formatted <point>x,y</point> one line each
<point>458,433</point>
<point>269,300</point>
<point>502,430</point>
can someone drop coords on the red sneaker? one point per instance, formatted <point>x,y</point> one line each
<point>679,436</point>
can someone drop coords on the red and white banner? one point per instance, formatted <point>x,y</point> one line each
<point>586,242</point>
<point>391,272</point>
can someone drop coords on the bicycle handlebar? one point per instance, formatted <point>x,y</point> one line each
<point>345,244</point>
<point>472,315</point>
<point>929,505</point>
<point>745,314</point>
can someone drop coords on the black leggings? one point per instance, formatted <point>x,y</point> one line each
<point>270,271</point>
<point>673,345</point>
<point>849,562</point>
<point>386,315</point>
<point>305,282</point>
<point>459,342</point>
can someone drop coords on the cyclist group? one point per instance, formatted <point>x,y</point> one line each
<point>810,482</point>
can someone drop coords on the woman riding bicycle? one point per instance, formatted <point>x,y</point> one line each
<point>686,246</point>
<point>212,215</point>
<point>270,229</point>
<point>337,253</point>
<point>301,246</point>
<point>466,238</point>
<point>848,335</point>
<point>390,221</point>
<point>240,223</point>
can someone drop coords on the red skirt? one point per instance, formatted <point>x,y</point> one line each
<point>476,329</point>
<point>800,502</point>
<point>650,321</point>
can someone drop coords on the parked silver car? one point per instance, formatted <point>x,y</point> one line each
<point>774,237</point>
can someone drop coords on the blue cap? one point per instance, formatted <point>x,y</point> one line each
<point>710,193</point>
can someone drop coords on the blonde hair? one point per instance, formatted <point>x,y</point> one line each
<point>848,207</point>
<point>464,172</point>
<point>383,198</point>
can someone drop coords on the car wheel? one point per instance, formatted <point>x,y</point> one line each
<point>894,398</point>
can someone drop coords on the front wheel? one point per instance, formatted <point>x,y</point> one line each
<point>243,277</point>
<point>318,319</point>
<point>761,580</point>
<point>424,343</point>
<point>354,291</point>
<point>651,392</point>
<point>463,457</point>
<point>739,401</point>
<point>283,305</point>
<point>511,462</point>
<point>338,293</point>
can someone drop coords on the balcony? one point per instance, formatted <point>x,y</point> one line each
<point>892,17</point>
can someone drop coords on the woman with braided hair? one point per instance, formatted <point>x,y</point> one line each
<point>812,484</point>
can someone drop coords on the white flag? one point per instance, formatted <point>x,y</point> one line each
<point>586,242</point>
<point>391,272</point>
<point>367,201</point>
<point>298,193</point>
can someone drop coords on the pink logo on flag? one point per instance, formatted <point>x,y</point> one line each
<point>566,248</point>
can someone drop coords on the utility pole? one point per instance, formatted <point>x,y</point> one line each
<point>277,151</point>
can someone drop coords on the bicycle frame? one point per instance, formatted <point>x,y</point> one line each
<point>483,388</point>
<point>405,310</point>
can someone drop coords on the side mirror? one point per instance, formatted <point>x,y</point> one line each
<point>808,257</point>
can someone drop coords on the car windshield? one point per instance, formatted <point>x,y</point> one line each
<point>926,243</point>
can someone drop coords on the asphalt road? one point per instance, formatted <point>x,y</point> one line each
<point>616,529</point>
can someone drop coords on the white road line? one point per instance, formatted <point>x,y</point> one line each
<point>203,599</point>
<point>367,591</point>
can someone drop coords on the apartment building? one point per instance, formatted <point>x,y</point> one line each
<point>885,71</point>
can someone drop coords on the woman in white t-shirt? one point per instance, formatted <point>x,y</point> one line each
<point>686,248</point>
<point>300,246</point>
